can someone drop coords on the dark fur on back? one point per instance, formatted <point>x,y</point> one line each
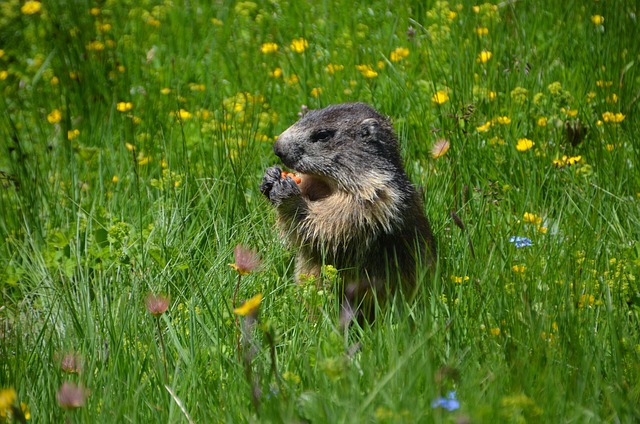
<point>355,207</point>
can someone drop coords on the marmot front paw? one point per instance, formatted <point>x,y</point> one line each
<point>277,188</point>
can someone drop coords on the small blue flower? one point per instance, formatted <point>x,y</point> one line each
<point>450,403</point>
<point>521,241</point>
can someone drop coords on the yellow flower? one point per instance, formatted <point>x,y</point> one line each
<point>183,114</point>
<point>124,106</point>
<point>459,280</point>
<point>7,399</point>
<point>144,160</point>
<point>597,19</point>
<point>197,87</point>
<point>440,148</point>
<point>332,69</point>
<point>484,127</point>
<point>484,56</point>
<point>495,331</point>
<point>571,113</point>
<point>165,91</point>
<point>367,71</point>
<point>610,147</point>
<point>398,54</point>
<point>503,120</point>
<point>54,81</point>
<point>451,15</point>
<point>482,31</point>
<point>115,179</point>
<point>130,147</point>
<point>276,73</point>
<point>104,27</point>
<point>524,144</point>
<point>531,218</point>
<point>440,97</point>
<point>315,92</point>
<point>268,48</point>
<point>96,46</point>
<point>31,7</point>
<point>94,11</point>
<point>603,83</point>
<point>3,75</point>
<point>299,45</point>
<point>543,230</point>
<point>71,134</point>
<point>1,53</point>
<point>518,268</point>
<point>54,117</point>
<point>542,121</point>
<point>613,117</point>
<point>250,307</point>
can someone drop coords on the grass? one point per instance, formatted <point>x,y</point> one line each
<point>134,138</point>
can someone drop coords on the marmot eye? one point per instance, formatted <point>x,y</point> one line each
<point>322,135</point>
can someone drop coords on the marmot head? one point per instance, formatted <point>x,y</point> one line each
<point>343,144</point>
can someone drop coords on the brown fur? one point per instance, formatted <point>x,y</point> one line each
<point>354,207</point>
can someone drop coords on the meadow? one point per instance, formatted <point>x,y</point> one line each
<point>134,136</point>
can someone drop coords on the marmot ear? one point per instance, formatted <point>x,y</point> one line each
<point>368,127</point>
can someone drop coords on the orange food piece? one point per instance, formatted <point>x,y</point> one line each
<point>293,176</point>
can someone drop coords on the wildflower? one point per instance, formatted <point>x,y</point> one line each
<point>96,46</point>
<point>398,54</point>
<point>440,148</point>
<point>542,121</point>
<point>597,19</point>
<point>276,73</point>
<point>518,268</point>
<point>459,280</point>
<point>604,84</point>
<point>165,91</point>
<point>484,56</point>
<point>71,396</point>
<point>524,144</point>
<point>250,307</point>
<point>71,134</point>
<point>612,99</point>
<point>54,117</point>
<point>1,53</point>
<point>71,363</point>
<point>197,87</point>
<point>451,15</point>
<point>484,127</point>
<point>124,106</point>
<point>566,160</point>
<point>315,92</point>
<point>268,48</point>
<point>104,27</point>
<point>94,11</point>
<point>495,331</point>
<point>247,260</point>
<point>503,120</point>
<point>183,114</point>
<point>115,179</point>
<point>299,45</point>
<point>54,80</point>
<point>332,68</point>
<point>531,218</point>
<point>542,229</point>
<point>367,71</point>
<point>613,117</point>
<point>31,7</point>
<point>450,403</point>
<point>571,113</point>
<point>156,304</point>
<point>3,75</point>
<point>7,399</point>
<point>440,97</point>
<point>555,88</point>
<point>609,147</point>
<point>482,31</point>
<point>520,241</point>
<point>142,161</point>
<point>217,22</point>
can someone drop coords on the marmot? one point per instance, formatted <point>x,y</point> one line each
<point>354,206</point>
